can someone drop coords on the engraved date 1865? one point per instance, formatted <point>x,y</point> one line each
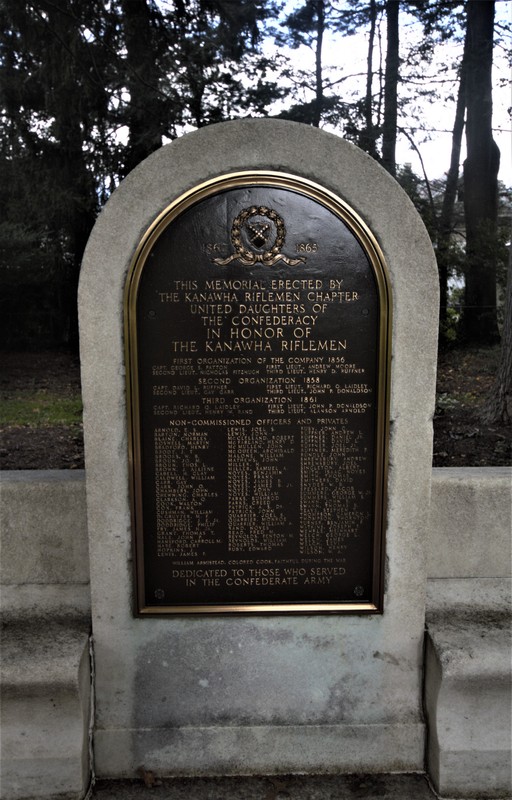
<point>306,247</point>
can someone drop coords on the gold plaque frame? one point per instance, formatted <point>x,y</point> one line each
<point>375,256</point>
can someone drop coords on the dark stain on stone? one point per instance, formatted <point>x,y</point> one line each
<point>387,657</point>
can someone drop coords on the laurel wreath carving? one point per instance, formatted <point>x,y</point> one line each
<point>248,257</point>
<point>241,219</point>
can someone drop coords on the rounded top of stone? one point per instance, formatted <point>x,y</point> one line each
<point>276,144</point>
<point>267,144</point>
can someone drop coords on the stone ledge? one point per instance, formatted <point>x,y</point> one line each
<point>471,599</point>
<point>42,654</point>
<point>472,651</point>
<point>59,600</point>
<point>42,476</point>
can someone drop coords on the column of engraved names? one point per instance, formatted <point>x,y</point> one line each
<point>333,462</point>
<point>183,487</point>
<point>256,479</point>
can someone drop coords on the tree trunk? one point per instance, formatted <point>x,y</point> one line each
<point>450,194</point>
<point>145,130</point>
<point>391,88</point>
<point>480,180</point>
<point>367,139</point>
<point>319,87</point>
<point>499,404</point>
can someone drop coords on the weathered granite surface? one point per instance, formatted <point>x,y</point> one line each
<point>315,693</point>
<point>471,523</point>
<point>45,689</point>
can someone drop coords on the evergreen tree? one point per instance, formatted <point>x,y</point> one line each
<point>53,106</point>
<point>142,70</point>
<point>314,95</point>
<point>90,89</point>
<point>219,72</point>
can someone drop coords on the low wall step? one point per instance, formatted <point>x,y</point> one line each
<point>468,687</point>
<point>274,787</point>
<point>45,688</point>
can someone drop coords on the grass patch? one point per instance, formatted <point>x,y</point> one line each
<point>38,409</point>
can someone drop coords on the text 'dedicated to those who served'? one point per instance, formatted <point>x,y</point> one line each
<point>257,318</point>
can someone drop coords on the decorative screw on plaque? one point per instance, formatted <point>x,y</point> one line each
<point>358,591</point>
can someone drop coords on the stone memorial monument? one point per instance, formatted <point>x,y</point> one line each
<point>258,344</point>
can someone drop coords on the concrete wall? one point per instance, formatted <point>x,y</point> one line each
<point>45,558</point>
<point>471,523</point>
<point>44,529</point>
<point>45,572</point>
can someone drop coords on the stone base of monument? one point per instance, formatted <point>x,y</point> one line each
<point>467,687</point>
<point>298,787</point>
<point>261,749</point>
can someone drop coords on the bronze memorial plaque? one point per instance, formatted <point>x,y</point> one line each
<point>257,318</point>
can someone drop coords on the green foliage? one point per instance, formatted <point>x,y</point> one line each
<point>87,91</point>
<point>40,408</point>
<point>449,327</point>
<point>445,401</point>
